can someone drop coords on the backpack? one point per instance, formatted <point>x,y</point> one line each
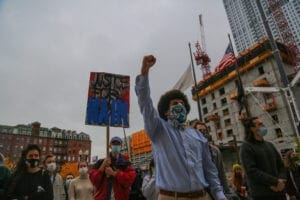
<point>136,192</point>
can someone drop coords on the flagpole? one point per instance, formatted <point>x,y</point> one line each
<point>239,78</point>
<point>195,82</point>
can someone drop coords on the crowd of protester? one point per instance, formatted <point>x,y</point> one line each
<point>186,164</point>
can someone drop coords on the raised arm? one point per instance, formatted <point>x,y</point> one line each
<point>151,118</point>
<point>148,62</point>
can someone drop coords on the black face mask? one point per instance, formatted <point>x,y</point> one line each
<point>32,162</point>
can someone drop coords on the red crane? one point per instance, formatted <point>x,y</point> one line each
<point>200,55</point>
<point>284,29</point>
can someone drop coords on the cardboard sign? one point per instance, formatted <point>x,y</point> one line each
<point>108,100</point>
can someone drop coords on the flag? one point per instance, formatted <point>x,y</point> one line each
<point>185,81</point>
<point>227,59</point>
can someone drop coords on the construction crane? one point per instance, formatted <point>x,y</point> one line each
<point>200,55</point>
<point>284,30</point>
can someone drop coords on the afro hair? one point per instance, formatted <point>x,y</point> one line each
<point>164,101</point>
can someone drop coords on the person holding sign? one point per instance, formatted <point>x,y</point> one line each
<point>113,176</point>
<point>184,168</point>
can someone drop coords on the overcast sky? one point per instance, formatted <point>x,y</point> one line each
<point>49,48</point>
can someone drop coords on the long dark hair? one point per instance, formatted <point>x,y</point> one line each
<point>248,124</point>
<point>21,166</point>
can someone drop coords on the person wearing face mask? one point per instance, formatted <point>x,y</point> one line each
<point>113,176</point>
<point>263,166</point>
<point>68,180</point>
<point>81,188</point>
<point>149,189</point>
<point>56,179</point>
<point>293,175</point>
<point>184,168</point>
<point>217,158</point>
<point>29,181</point>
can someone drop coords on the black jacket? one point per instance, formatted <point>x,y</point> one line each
<point>36,186</point>
<point>263,167</point>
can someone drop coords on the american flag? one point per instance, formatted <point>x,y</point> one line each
<point>227,59</point>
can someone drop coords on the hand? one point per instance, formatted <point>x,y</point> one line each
<point>148,62</point>
<point>293,198</point>
<point>106,163</point>
<point>110,172</point>
<point>280,185</point>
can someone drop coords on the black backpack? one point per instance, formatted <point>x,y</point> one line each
<point>136,188</point>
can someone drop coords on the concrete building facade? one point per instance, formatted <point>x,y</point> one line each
<point>220,108</point>
<point>246,24</point>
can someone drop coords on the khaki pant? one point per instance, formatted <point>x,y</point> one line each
<point>166,197</point>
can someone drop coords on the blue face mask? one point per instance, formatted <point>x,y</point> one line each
<point>116,148</point>
<point>262,131</point>
<point>178,113</point>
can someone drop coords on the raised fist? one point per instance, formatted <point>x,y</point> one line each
<point>148,62</point>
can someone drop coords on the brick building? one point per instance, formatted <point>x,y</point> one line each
<point>65,144</point>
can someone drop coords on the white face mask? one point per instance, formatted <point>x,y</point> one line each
<point>83,170</point>
<point>51,167</point>
<point>68,181</point>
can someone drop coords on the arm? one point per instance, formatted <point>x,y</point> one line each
<point>221,171</point>
<point>98,171</point>
<point>248,160</point>
<point>48,186</point>
<point>125,177</point>
<point>61,187</point>
<point>281,169</point>
<point>142,89</point>
<point>71,191</point>
<point>148,186</point>
<point>95,176</point>
<point>211,173</point>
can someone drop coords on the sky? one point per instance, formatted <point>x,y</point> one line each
<point>49,48</point>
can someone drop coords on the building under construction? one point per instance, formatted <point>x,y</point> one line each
<point>221,110</point>
<point>139,148</point>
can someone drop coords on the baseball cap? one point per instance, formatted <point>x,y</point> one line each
<point>116,139</point>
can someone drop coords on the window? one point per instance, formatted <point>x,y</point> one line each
<point>222,91</point>
<point>215,106</point>
<point>236,82</point>
<point>275,119</point>
<point>208,128</point>
<point>212,95</point>
<point>278,132</point>
<point>218,125</point>
<point>227,122</point>
<point>203,101</point>
<point>229,133</point>
<point>206,120</point>
<point>223,101</point>
<point>261,70</point>
<point>205,111</point>
<point>225,112</point>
